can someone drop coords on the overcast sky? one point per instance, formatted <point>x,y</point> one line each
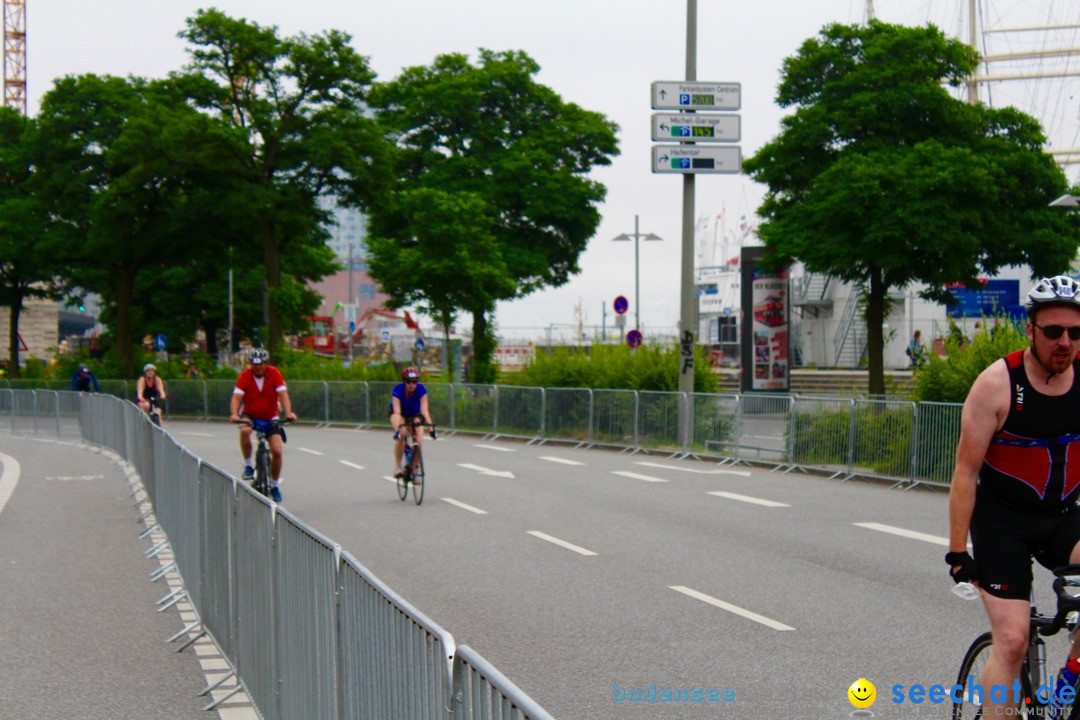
<point>600,54</point>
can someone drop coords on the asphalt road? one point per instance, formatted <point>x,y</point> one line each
<point>588,575</point>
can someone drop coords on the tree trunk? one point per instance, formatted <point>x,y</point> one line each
<point>13,331</point>
<point>272,259</point>
<point>483,370</point>
<point>449,353</point>
<point>210,329</point>
<point>875,321</point>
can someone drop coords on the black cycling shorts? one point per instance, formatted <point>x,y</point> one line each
<point>1004,541</point>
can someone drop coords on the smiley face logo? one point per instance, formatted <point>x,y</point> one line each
<point>862,693</point>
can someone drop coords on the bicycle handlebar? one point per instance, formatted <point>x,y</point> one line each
<point>1066,577</point>
<point>434,431</point>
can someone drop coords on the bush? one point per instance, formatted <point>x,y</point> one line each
<point>615,367</point>
<point>948,379</point>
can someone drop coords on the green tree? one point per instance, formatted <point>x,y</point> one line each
<point>295,110</point>
<point>449,236</point>
<point>29,262</point>
<point>511,149</point>
<point>882,179</point>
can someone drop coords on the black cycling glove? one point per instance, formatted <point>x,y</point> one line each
<point>966,569</point>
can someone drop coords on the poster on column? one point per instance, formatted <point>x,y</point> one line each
<point>765,323</point>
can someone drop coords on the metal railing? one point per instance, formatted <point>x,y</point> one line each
<point>308,631</point>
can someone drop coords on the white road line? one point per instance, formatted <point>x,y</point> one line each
<point>198,434</point>
<point>904,533</point>
<point>564,461</point>
<point>717,471</point>
<point>8,479</point>
<point>463,506</point>
<point>352,465</point>
<point>310,452</point>
<point>560,543</point>
<point>487,471</point>
<point>767,622</point>
<point>391,478</point>
<point>748,499</point>
<point>635,476</point>
<point>495,447</point>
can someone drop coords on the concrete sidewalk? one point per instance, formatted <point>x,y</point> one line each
<point>81,637</point>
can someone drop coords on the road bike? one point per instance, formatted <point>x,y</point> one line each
<point>413,472</point>
<point>1035,677</point>
<point>155,410</point>
<point>261,481</point>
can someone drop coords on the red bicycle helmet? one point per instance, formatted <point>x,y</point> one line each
<point>410,373</point>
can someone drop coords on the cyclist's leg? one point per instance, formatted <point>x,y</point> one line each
<point>245,444</point>
<point>1009,625</point>
<point>399,444</point>
<point>277,454</point>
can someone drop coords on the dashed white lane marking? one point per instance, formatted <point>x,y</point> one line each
<point>9,479</point>
<point>767,622</point>
<point>715,471</point>
<point>904,533</point>
<point>748,499</point>
<point>564,461</point>
<point>487,471</point>
<point>560,543</point>
<point>310,452</point>
<point>197,434</point>
<point>636,476</point>
<point>352,465</point>
<point>495,447</point>
<point>69,478</point>
<point>463,506</point>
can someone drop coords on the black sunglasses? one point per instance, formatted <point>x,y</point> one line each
<point>1053,332</point>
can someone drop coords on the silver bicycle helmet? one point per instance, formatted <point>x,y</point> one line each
<point>148,366</point>
<point>259,355</point>
<point>1057,290</point>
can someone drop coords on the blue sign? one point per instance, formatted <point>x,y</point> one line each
<point>419,344</point>
<point>621,305</point>
<point>160,341</point>
<point>352,326</point>
<point>634,338</point>
<point>993,298</point>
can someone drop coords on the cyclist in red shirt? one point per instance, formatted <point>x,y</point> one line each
<point>261,387</point>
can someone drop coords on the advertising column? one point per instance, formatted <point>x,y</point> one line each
<point>765,319</point>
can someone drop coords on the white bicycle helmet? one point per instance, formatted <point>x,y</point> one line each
<point>259,355</point>
<point>148,366</point>
<point>1057,290</point>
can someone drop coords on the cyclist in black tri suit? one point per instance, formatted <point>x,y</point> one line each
<point>149,387</point>
<point>1017,475</point>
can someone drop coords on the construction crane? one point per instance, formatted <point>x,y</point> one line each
<point>15,54</point>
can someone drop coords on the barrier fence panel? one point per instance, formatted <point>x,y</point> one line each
<point>568,414</point>
<point>307,570</point>
<point>884,436</point>
<point>821,432</point>
<point>308,399</point>
<point>520,411</point>
<point>182,479</point>
<point>714,429</point>
<point>253,595</point>
<point>394,661</point>
<point>658,419</point>
<point>347,403</point>
<point>215,601</point>
<point>218,396</point>
<point>615,417</point>
<point>380,402</point>
<point>936,435</point>
<point>440,403</point>
<point>185,399</point>
<point>474,407</point>
<point>483,693</point>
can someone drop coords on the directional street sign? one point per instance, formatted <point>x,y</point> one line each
<point>160,342</point>
<point>683,95</point>
<point>686,159</point>
<point>696,127</point>
<point>621,305</point>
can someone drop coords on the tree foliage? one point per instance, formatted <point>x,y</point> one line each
<point>514,156</point>
<point>881,178</point>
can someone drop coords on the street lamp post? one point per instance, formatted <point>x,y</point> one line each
<point>636,237</point>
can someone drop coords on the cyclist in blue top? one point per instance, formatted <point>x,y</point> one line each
<point>408,405</point>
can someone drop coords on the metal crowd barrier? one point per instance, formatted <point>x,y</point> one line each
<point>309,631</point>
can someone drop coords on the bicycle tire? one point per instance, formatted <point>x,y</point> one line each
<point>972,667</point>
<point>403,484</point>
<point>262,470</point>
<point>417,472</point>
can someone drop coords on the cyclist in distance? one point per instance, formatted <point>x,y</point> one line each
<point>261,387</point>
<point>1014,487</point>
<point>83,379</point>
<point>408,402</point>
<point>148,387</point>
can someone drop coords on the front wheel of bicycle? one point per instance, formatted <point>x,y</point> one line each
<point>403,483</point>
<point>262,470</point>
<point>971,670</point>
<point>418,475</point>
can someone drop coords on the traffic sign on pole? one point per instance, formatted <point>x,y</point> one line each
<point>696,127</point>
<point>683,95</point>
<point>634,338</point>
<point>621,305</point>
<point>692,159</point>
